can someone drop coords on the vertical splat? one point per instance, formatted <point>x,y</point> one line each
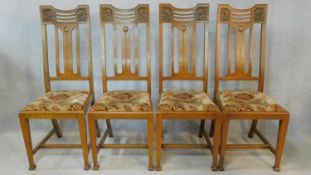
<point>240,50</point>
<point>67,47</point>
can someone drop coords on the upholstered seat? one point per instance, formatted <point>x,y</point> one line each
<point>186,101</point>
<point>247,101</point>
<point>118,101</point>
<point>59,101</point>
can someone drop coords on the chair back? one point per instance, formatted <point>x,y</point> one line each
<point>66,25</point>
<point>183,25</point>
<point>239,52</point>
<point>130,26</point>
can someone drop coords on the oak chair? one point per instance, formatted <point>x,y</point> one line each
<point>239,53</point>
<point>127,24</point>
<point>185,105</point>
<point>62,104</point>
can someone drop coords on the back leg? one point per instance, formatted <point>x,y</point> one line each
<point>202,124</point>
<point>252,129</point>
<point>97,128</point>
<point>211,132</point>
<point>108,122</point>
<point>57,128</point>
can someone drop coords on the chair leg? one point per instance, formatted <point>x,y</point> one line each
<point>57,128</point>
<point>211,132</point>
<point>202,124</point>
<point>150,143</point>
<point>252,129</point>
<point>216,142</point>
<point>27,140</point>
<point>159,141</point>
<point>108,122</point>
<point>93,143</point>
<point>97,128</point>
<point>224,133</point>
<point>83,136</point>
<point>283,124</point>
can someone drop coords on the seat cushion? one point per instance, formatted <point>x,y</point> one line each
<point>247,101</point>
<point>118,101</point>
<point>186,101</point>
<point>59,101</point>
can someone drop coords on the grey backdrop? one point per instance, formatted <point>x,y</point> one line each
<point>287,66</point>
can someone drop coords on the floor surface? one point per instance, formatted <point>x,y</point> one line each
<point>296,159</point>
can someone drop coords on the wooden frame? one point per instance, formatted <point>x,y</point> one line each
<point>183,19</point>
<point>123,17</point>
<point>239,20</point>
<point>65,21</point>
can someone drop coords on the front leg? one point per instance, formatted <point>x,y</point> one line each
<point>159,141</point>
<point>24,122</point>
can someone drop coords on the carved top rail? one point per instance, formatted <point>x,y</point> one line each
<point>51,15</point>
<point>184,22</point>
<point>111,14</point>
<point>67,41</point>
<point>240,23</point>
<point>228,14</point>
<point>171,14</point>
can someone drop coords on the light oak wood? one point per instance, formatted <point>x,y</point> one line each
<point>239,21</point>
<point>183,20</point>
<point>65,22</point>
<point>128,21</point>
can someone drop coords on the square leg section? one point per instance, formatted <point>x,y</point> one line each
<point>96,147</point>
<point>214,148</point>
<point>282,129</point>
<point>30,150</point>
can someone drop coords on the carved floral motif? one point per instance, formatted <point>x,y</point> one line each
<point>107,14</point>
<point>141,14</point>
<point>81,14</point>
<point>259,14</point>
<point>166,13</point>
<point>224,14</point>
<point>201,14</point>
<point>48,15</point>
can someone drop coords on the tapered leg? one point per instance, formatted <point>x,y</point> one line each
<point>150,142</point>
<point>202,124</point>
<point>224,133</point>
<point>283,124</point>
<point>83,136</point>
<point>97,128</point>
<point>252,129</point>
<point>159,141</point>
<point>57,128</point>
<point>27,140</point>
<point>93,143</point>
<point>211,132</point>
<point>216,142</point>
<point>108,122</point>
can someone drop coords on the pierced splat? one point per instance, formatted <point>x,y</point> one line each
<point>126,23</point>
<point>184,22</point>
<point>67,32</point>
<point>184,50</point>
<point>66,24</point>
<point>240,24</point>
<point>126,31</point>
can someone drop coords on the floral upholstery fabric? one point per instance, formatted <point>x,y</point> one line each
<point>247,101</point>
<point>186,101</point>
<point>118,101</point>
<point>59,101</point>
